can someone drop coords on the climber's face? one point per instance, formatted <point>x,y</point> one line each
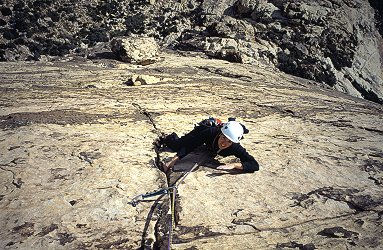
<point>223,142</point>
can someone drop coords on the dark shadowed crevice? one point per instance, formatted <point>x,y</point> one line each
<point>159,209</point>
<point>147,114</point>
<point>378,6</point>
<point>367,94</point>
<point>17,182</point>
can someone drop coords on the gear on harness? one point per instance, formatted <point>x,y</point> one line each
<point>210,122</point>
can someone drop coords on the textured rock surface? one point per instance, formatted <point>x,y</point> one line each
<point>76,146</point>
<point>136,50</point>
<point>332,42</point>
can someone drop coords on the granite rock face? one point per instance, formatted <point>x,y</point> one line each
<point>336,43</point>
<point>76,147</point>
<point>333,42</point>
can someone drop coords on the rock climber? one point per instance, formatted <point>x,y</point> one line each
<point>219,138</point>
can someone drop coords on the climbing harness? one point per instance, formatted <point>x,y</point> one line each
<point>172,191</point>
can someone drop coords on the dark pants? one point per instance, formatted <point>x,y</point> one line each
<point>175,143</point>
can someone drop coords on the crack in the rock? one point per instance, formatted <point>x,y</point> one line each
<point>161,225</point>
<point>376,181</point>
<point>242,222</point>
<point>144,112</point>
<point>15,181</point>
<point>147,114</point>
<point>372,130</point>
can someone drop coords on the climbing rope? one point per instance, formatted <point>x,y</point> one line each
<point>172,219</point>
<point>172,191</point>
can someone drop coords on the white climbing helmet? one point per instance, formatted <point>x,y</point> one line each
<point>233,131</point>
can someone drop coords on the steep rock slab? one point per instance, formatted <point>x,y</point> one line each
<point>69,176</point>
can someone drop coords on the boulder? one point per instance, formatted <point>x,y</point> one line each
<point>136,50</point>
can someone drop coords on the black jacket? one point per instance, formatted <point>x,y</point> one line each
<point>209,136</point>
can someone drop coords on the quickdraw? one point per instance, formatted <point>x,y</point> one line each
<point>172,191</point>
<point>137,199</point>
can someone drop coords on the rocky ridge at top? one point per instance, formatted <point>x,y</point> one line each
<point>334,42</point>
